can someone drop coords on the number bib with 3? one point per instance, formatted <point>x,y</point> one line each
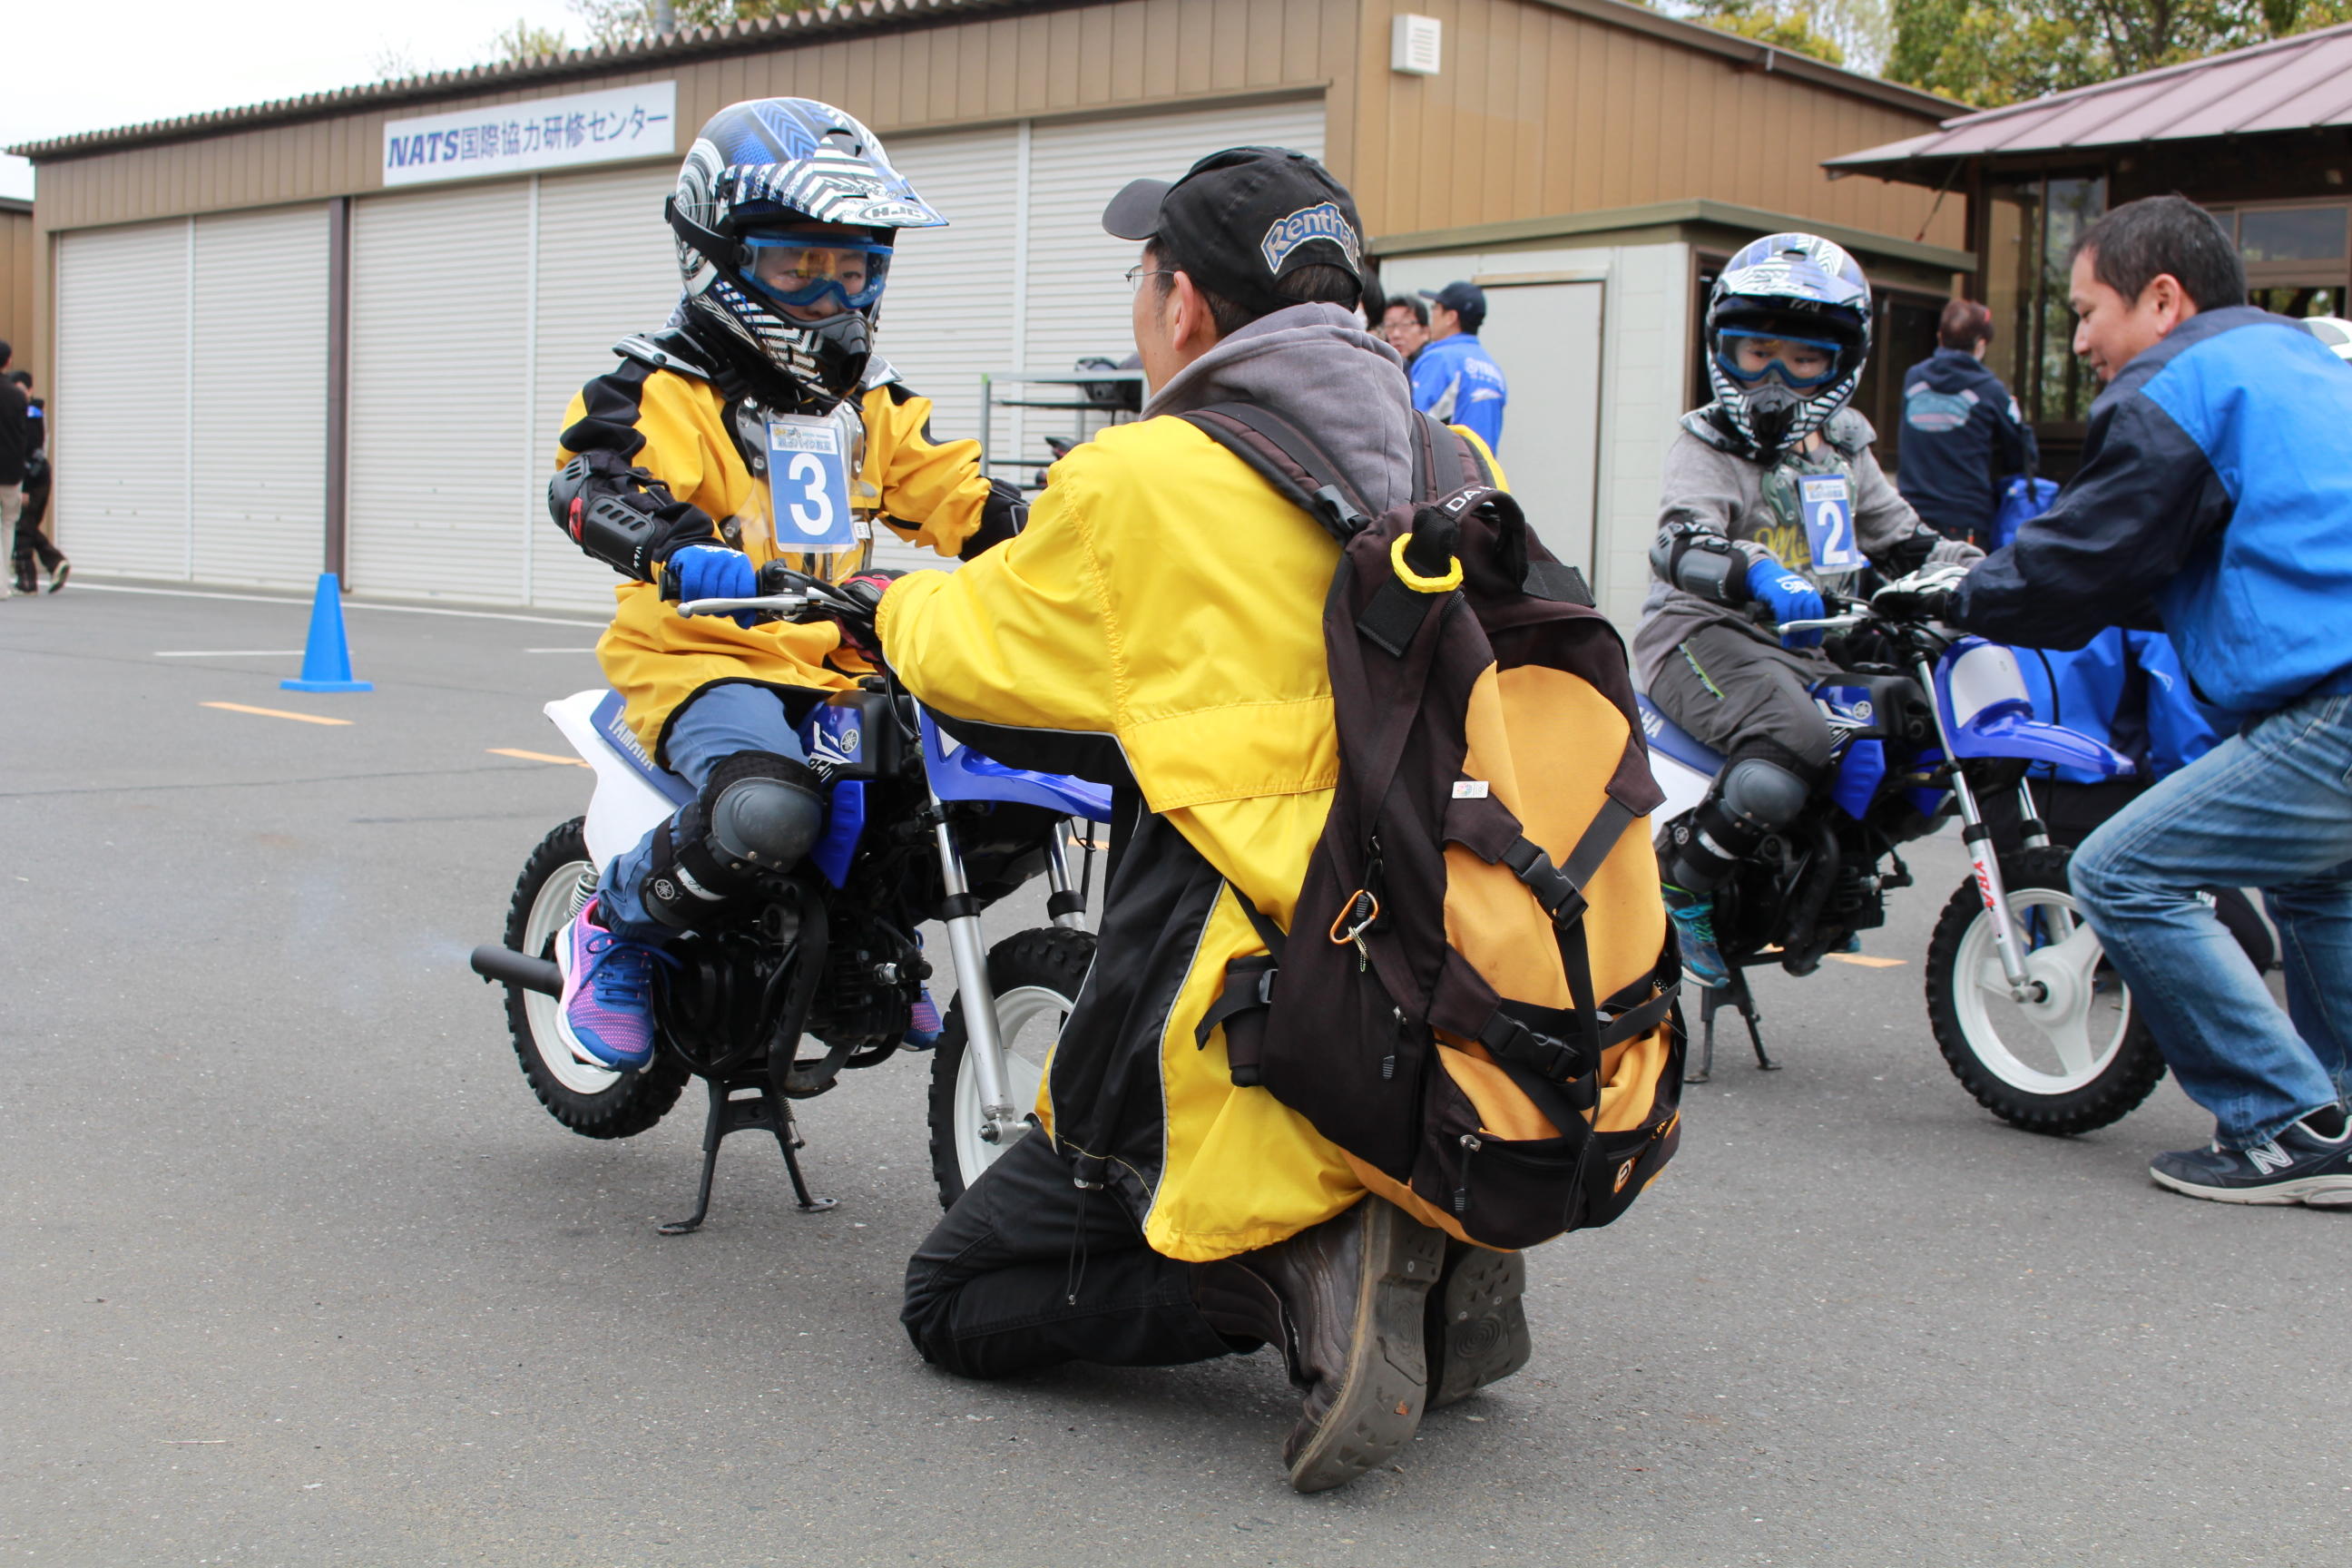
<point>809,475</point>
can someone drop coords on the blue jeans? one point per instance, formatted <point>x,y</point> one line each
<point>716,723</point>
<point>2268,808</point>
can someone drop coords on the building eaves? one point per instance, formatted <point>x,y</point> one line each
<point>846,17</point>
<point>849,18</point>
<point>2287,84</point>
<point>15,205</point>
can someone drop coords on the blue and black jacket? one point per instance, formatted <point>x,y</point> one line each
<point>2214,481</point>
<point>1962,436</point>
<point>1457,381</point>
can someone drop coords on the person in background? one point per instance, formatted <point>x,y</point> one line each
<point>2212,484</point>
<point>15,445</point>
<point>1453,378</point>
<point>1404,327</point>
<point>1964,437</point>
<point>32,547</point>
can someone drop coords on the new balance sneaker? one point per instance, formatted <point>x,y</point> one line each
<point>1693,918</point>
<point>2301,1166</point>
<point>606,1012</point>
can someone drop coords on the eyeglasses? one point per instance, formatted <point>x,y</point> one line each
<point>1138,272</point>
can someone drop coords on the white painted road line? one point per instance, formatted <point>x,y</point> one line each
<point>303,603</point>
<point>233,653</point>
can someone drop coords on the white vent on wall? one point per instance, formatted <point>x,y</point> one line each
<point>1416,45</point>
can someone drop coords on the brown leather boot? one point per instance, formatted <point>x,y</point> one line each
<point>1475,1330</point>
<point>1344,1299</point>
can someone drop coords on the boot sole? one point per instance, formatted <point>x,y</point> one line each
<point>1477,1324</point>
<point>1386,1384</point>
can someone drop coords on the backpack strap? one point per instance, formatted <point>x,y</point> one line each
<point>1288,459</point>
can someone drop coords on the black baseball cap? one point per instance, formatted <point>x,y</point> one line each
<point>1241,220</point>
<point>1467,300</point>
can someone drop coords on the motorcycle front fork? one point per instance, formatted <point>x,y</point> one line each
<point>1986,864</point>
<point>1001,1119</point>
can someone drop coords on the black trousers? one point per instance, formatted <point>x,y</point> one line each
<point>30,543</point>
<point>1027,1271</point>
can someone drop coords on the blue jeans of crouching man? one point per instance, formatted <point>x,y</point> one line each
<point>2270,808</point>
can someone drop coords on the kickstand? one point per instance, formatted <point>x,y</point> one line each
<point>760,1108</point>
<point>1740,1000</point>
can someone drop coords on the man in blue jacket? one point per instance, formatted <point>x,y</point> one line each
<point>1452,377</point>
<point>1963,435</point>
<point>2213,482</point>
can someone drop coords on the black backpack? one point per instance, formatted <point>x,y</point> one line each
<point>1454,637</point>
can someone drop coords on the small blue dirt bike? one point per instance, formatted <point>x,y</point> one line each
<point>2028,1014</point>
<point>919,827</point>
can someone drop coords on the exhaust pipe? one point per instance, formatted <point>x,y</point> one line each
<point>508,967</point>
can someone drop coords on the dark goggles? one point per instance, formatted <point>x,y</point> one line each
<point>801,272</point>
<point>1784,351</point>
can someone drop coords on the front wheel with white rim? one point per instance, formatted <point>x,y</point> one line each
<point>595,1102</point>
<point>1036,975</point>
<point>2070,1057</point>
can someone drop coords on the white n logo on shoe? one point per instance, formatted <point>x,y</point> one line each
<point>2269,1159</point>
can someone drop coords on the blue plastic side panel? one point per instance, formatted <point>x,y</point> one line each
<point>615,729</point>
<point>1859,776</point>
<point>1670,739</point>
<point>964,775</point>
<point>845,824</point>
<point>2005,734</point>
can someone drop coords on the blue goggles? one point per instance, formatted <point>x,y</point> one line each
<point>801,272</point>
<point>1782,351</point>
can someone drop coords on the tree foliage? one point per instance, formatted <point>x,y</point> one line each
<point>626,21</point>
<point>524,42</point>
<point>1991,52</point>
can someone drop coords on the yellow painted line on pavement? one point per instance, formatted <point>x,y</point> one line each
<point>274,713</point>
<point>1868,961</point>
<point>536,756</point>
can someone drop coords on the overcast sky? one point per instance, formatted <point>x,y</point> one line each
<point>69,65</point>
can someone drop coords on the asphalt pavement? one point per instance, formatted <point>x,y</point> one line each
<point>293,1270</point>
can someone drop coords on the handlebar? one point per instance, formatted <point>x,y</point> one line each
<point>786,605</point>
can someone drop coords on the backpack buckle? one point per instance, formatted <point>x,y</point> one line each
<point>1561,898</point>
<point>1451,580</point>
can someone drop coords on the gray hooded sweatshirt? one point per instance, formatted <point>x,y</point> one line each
<point>1314,366</point>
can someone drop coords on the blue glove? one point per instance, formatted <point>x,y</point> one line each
<point>713,572</point>
<point>1789,596</point>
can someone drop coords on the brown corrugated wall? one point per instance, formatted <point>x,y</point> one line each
<point>17,318</point>
<point>1544,107</point>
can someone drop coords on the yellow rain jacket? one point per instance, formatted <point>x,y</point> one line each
<point>1160,619</point>
<point>930,494</point>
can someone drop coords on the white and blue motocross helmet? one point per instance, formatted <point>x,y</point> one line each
<point>807,304</point>
<point>1796,288</point>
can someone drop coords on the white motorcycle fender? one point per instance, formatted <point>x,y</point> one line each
<point>627,806</point>
<point>1685,786</point>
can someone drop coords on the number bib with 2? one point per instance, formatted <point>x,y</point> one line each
<point>809,474</point>
<point>1827,502</point>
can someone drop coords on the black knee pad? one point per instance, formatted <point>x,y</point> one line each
<point>1753,798</point>
<point>758,813</point>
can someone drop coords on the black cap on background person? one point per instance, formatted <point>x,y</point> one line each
<point>1467,300</point>
<point>1241,220</point>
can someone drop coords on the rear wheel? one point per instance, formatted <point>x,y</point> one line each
<point>2073,1061</point>
<point>557,881</point>
<point>1036,975</point>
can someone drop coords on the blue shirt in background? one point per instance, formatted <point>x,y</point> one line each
<point>1455,380</point>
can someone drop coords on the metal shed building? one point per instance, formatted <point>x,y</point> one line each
<point>345,327</point>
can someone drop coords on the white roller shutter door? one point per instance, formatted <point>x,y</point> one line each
<point>440,403</point>
<point>121,399</point>
<point>259,411</point>
<point>1079,302</point>
<point>607,267</point>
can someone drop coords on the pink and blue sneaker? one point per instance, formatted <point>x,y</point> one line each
<point>606,1014</point>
